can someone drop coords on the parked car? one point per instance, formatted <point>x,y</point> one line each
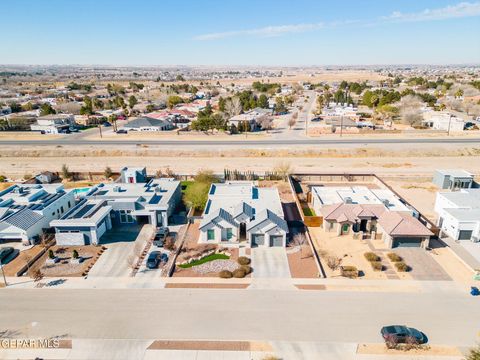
<point>164,258</point>
<point>401,333</point>
<point>5,253</point>
<point>122,131</point>
<point>153,259</point>
<point>106,124</point>
<point>160,236</point>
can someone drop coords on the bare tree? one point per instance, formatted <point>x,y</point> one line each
<point>233,107</point>
<point>333,262</point>
<point>293,120</point>
<point>409,107</point>
<point>283,169</point>
<point>265,122</point>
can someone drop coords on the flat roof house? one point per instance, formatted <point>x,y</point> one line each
<point>453,179</point>
<point>148,124</point>
<point>110,205</point>
<point>239,211</point>
<point>53,124</point>
<point>459,214</point>
<point>25,210</point>
<point>371,212</point>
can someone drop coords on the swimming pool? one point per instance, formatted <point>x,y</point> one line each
<point>80,192</point>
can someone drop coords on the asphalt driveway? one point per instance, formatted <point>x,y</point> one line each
<point>270,263</point>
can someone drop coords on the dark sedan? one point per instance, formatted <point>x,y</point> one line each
<point>5,253</point>
<point>153,260</point>
<point>402,334</point>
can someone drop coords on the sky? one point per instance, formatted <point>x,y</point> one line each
<point>246,32</point>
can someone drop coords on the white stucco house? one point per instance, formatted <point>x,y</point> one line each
<point>118,204</point>
<point>27,209</point>
<point>459,214</point>
<point>239,211</point>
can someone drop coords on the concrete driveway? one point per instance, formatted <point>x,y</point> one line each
<point>270,263</point>
<point>424,266</point>
<point>120,243</point>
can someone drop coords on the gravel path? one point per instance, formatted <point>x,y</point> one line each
<point>215,266</point>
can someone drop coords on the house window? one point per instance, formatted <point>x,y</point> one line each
<point>69,204</point>
<point>210,234</point>
<point>229,233</point>
<point>125,216</point>
<point>61,209</point>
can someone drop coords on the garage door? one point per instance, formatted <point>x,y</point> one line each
<point>407,242</point>
<point>464,234</point>
<point>258,239</point>
<point>276,240</point>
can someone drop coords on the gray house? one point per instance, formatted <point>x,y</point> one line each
<point>109,205</point>
<point>133,175</point>
<point>453,179</point>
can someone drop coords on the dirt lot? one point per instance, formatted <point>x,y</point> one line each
<point>90,253</point>
<point>418,191</point>
<point>301,262</point>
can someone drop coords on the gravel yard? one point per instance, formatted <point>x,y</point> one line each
<point>215,266</point>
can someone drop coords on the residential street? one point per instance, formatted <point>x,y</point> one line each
<point>326,316</point>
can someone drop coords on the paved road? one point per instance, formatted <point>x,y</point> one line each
<point>325,316</point>
<point>339,141</point>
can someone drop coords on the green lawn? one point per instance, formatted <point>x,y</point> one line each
<point>308,211</point>
<point>205,260</point>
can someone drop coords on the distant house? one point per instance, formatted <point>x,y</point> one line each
<point>459,214</point>
<point>109,205</point>
<point>25,210</point>
<point>239,211</point>
<point>148,124</point>
<point>133,175</point>
<point>453,179</point>
<point>53,124</point>
<point>46,177</point>
<point>443,121</point>
<point>251,117</point>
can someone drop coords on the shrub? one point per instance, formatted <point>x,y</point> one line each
<point>243,260</point>
<point>239,273</point>
<point>349,271</point>
<point>246,268</point>
<point>391,341</point>
<point>51,255</point>
<point>225,274</point>
<point>394,257</point>
<point>376,265</point>
<point>370,256</point>
<point>75,254</point>
<point>401,266</point>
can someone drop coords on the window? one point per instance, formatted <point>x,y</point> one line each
<point>61,209</point>
<point>125,216</point>
<point>229,233</point>
<point>210,234</point>
<point>69,204</point>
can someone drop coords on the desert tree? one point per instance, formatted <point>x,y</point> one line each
<point>409,108</point>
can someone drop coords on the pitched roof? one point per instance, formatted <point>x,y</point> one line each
<point>218,214</point>
<point>400,224</point>
<point>267,215</point>
<point>243,208</point>
<point>146,121</point>
<point>351,212</point>
<point>23,219</point>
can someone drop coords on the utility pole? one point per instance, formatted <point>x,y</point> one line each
<point>341,126</point>
<point>449,122</point>
<point>100,129</point>
<point>3,273</point>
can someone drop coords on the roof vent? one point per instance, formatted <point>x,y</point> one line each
<point>348,200</point>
